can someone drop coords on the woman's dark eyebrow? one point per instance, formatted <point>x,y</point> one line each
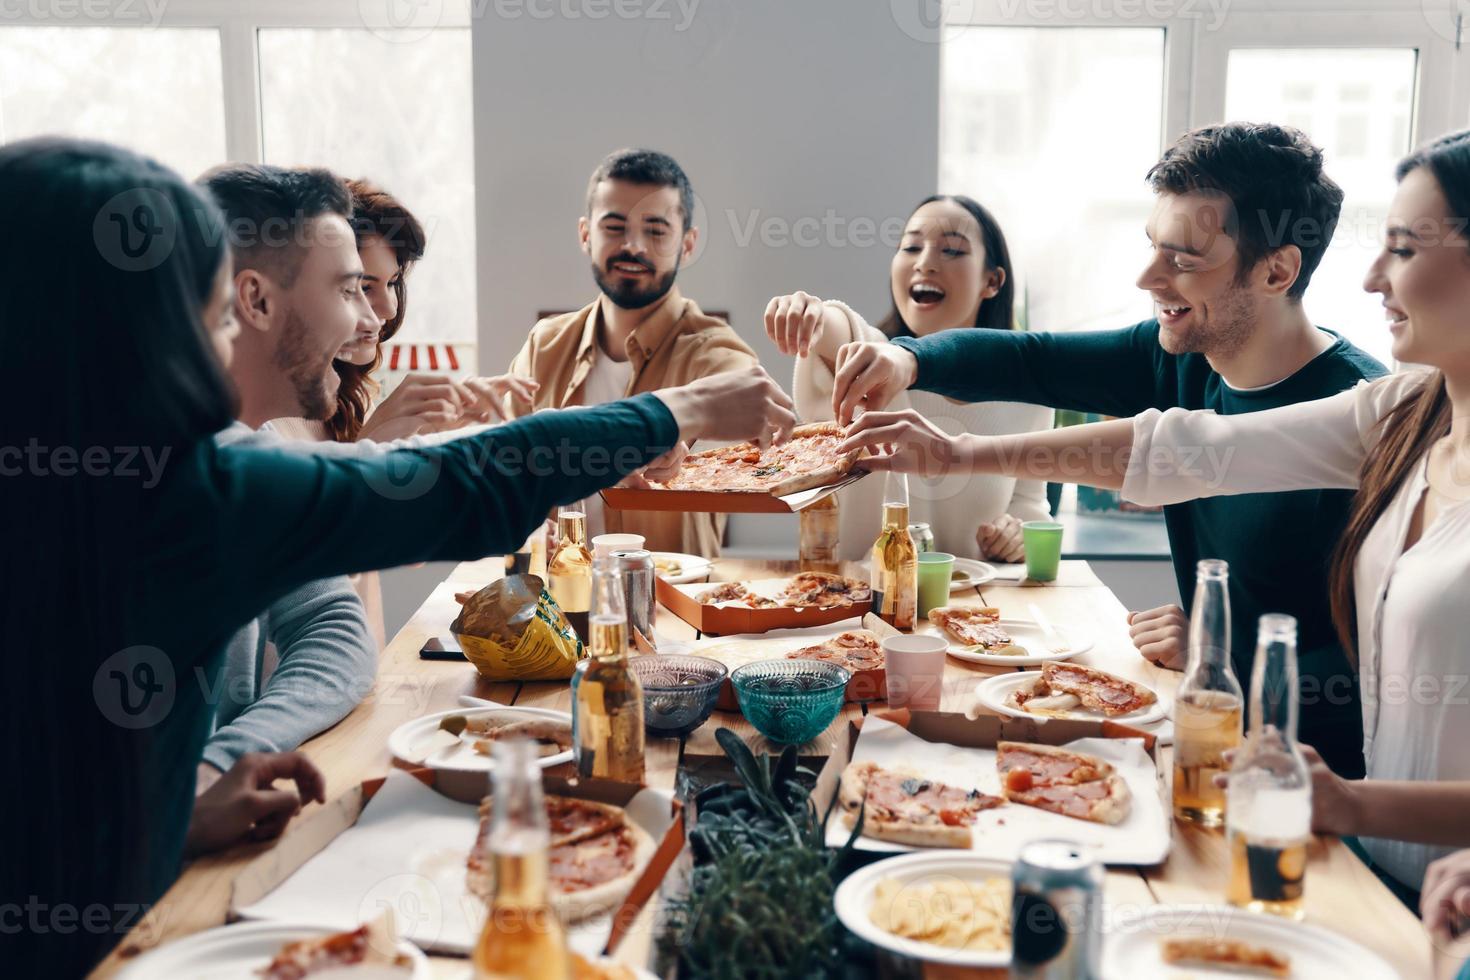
<point>1402,231</point>
<point>947,234</point>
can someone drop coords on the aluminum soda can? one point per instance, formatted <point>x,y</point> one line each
<point>1056,912</point>
<point>923,536</point>
<point>636,568</point>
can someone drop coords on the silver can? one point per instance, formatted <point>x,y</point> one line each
<point>638,595</point>
<point>1056,912</point>
<point>923,536</point>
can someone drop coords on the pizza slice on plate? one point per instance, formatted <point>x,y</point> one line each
<point>374,943</point>
<point>1066,686</point>
<point>1073,784</point>
<point>905,808</point>
<point>855,650</point>
<point>552,737</point>
<point>596,855</point>
<point>1225,954</point>
<point>976,626</point>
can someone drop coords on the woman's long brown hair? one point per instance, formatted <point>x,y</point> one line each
<point>1415,424</point>
<point>375,214</point>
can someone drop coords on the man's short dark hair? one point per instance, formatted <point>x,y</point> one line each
<point>1273,177</point>
<point>645,167</point>
<point>267,211</point>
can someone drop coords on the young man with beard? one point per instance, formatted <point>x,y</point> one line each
<point>297,299</point>
<point>1244,214</point>
<point>640,334</point>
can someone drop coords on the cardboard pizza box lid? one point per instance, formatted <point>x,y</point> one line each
<point>311,834</point>
<point>721,501</point>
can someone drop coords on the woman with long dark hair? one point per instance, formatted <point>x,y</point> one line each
<point>951,271</point>
<point>1398,580</point>
<point>137,546</point>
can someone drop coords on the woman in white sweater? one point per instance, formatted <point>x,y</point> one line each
<point>951,271</point>
<point>1400,584</point>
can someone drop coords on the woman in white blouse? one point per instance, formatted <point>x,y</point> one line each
<point>1400,583</point>
<point>951,271</point>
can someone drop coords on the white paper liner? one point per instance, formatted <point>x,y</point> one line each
<point>407,853</point>
<point>1142,838</point>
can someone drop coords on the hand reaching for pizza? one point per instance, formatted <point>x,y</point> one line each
<point>1000,539</point>
<point>869,376</point>
<point>245,804</point>
<point>661,470</point>
<point>906,442</point>
<point>734,406</point>
<point>1445,901</point>
<point>1161,635</point>
<point>795,322</point>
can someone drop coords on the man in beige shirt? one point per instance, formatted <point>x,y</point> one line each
<point>640,334</point>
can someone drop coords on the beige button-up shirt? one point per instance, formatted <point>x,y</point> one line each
<point>677,343</point>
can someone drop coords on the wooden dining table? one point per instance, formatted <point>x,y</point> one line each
<point>1342,895</point>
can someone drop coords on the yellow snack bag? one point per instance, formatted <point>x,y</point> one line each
<point>512,630</point>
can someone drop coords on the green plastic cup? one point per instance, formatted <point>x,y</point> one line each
<point>935,570</point>
<point>1043,541</point>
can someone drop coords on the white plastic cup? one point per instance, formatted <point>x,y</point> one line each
<point>915,670</point>
<point>604,545</point>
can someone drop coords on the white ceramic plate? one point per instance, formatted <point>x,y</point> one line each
<point>993,692</point>
<point>638,971</point>
<point>412,740</point>
<point>1132,948</point>
<point>242,950</point>
<point>854,899</point>
<point>1029,636</point>
<point>970,574</point>
<point>692,567</point>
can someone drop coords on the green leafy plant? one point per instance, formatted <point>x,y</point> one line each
<point>760,896</point>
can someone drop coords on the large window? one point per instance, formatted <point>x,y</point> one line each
<point>157,91</point>
<point>399,115</point>
<point>347,84</point>
<point>1355,104</point>
<point>1053,131</point>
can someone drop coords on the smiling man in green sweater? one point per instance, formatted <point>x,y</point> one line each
<point>1244,214</point>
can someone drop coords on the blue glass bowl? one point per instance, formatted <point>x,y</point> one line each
<point>678,692</point>
<point>790,701</point>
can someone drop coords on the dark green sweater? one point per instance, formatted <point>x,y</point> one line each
<point>1279,546</point>
<point>227,530</point>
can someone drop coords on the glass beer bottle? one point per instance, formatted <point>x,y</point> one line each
<point>569,570</point>
<point>521,938</point>
<point>817,541</point>
<point>895,573</point>
<point>1208,705</point>
<point>1269,819</point>
<point>609,700</point>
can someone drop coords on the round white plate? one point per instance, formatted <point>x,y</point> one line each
<point>1029,636</point>
<point>409,740</point>
<point>1132,947</point>
<point>970,574</point>
<point>242,950</point>
<point>993,692</point>
<point>693,567</point>
<point>854,899</point>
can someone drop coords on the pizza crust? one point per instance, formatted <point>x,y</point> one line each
<point>587,902</point>
<point>853,791</point>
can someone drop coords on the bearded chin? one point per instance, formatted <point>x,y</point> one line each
<point>631,297</point>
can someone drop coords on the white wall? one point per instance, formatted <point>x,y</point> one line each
<point>777,110</point>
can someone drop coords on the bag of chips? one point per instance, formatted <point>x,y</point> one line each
<point>512,630</point>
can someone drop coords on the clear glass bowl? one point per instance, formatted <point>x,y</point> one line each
<point>790,701</point>
<point>678,692</point>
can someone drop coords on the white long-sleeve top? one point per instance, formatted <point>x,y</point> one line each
<point>954,506</point>
<point>1413,605</point>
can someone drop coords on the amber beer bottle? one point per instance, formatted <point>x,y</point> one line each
<point>895,576</point>
<point>569,570</point>
<point>817,542</point>
<point>521,938</point>
<point>609,703</point>
<point>1208,704</point>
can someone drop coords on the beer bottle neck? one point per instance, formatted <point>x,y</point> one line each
<point>1209,618</point>
<point>1274,678</point>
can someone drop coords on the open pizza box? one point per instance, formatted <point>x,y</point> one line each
<point>721,501</point>
<point>338,868</point>
<point>727,618</point>
<point>945,746</point>
<point>737,651</point>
